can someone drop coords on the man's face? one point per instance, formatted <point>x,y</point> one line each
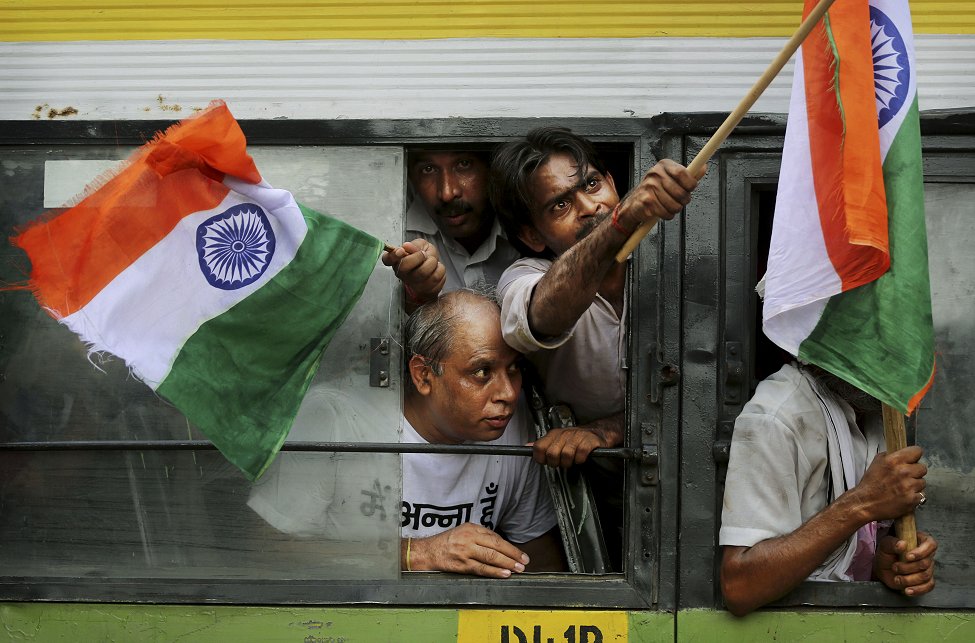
<point>860,400</point>
<point>568,202</point>
<point>453,185</point>
<point>476,395</point>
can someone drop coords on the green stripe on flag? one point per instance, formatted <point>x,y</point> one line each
<point>880,336</point>
<point>241,377</point>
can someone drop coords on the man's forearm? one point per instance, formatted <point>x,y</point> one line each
<point>567,290</point>
<point>609,428</point>
<point>757,575</point>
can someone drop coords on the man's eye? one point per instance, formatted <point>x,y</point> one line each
<point>514,368</point>
<point>465,164</point>
<point>427,169</point>
<point>482,372</point>
<point>592,183</point>
<point>560,205</point>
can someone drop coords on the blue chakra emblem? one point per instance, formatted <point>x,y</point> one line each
<point>891,66</point>
<point>235,247</point>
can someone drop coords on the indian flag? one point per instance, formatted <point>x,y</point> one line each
<point>218,291</point>
<point>847,284</point>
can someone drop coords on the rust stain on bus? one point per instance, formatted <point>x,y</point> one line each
<point>52,112</point>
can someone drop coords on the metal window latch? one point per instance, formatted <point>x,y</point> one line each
<point>721,449</point>
<point>661,373</point>
<point>734,372</point>
<point>649,457</point>
<point>379,362</point>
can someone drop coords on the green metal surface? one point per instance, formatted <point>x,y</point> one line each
<point>52,622</point>
<point>834,627</point>
<point>49,623</point>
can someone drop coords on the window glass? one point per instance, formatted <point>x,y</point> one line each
<point>943,420</point>
<point>190,514</point>
<point>156,524</point>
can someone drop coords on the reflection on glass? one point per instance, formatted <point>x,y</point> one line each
<point>944,418</point>
<point>185,514</point>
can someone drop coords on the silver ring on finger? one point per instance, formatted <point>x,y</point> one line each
<point>922,499</point>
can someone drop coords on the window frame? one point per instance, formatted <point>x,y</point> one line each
<point>706,435</point>
<point>638,587</point>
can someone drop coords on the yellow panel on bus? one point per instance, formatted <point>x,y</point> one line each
<point>36,20</point>
<point>540,626</point>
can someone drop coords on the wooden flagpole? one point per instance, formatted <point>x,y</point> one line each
<point>699,164</point>
<point>896,437</point>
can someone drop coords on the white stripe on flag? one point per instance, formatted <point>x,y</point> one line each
<point>800,276</point>
<point>151,308</point>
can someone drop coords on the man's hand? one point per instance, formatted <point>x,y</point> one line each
<point>890,486</point>
<point>417,264</point>
<point>662,193</point>
<point>572,445</point>
<point>914,575</point>
<point>467,549</point>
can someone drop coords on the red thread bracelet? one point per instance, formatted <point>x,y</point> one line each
<point>615,221</point>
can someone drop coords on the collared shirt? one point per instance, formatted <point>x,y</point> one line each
<point>584,368</point>
<point>464,270</point>
<point>780,466</point>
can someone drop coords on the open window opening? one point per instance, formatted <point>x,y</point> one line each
<point>747,187</point>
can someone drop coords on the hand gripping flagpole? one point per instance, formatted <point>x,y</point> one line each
<point>896,437</point>
<point>699,164</point>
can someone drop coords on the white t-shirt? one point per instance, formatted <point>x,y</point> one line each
<point>464,270</point>
<point>340,496</point>
<point>347,497</point>
<point>504,493</point>
<point>585,367</point>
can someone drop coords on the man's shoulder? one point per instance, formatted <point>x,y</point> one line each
<point>419,221</point>
<point>525,266</point>
<point>530,264</point>
<point>785,399</point>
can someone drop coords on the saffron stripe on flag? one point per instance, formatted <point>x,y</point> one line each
<point>76,254</point>
<point>844,153</point>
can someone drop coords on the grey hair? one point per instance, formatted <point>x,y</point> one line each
<point>430,330</point>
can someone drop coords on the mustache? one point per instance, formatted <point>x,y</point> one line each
<point>453,209</point>
<point>859,400</point>
<point>589,225</point>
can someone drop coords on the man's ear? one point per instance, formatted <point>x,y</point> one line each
<point>420,373</point>
<point>530,237</point>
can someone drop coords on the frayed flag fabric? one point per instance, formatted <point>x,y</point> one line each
<point>218,291</point>
<point>847,286</point>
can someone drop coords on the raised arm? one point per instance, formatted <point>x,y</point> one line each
<point>568,288</point>
<point>754,576</point>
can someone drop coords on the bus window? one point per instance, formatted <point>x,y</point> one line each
<point>96,484</point>
<point>726,238</point>
<point>156,513</point>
